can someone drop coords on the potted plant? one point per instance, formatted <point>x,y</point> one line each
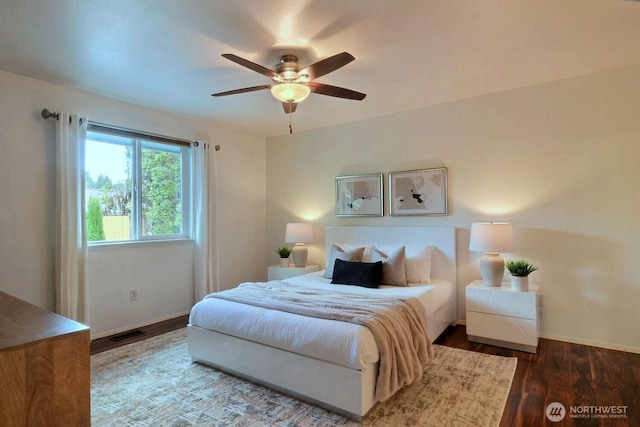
<point>520,270</point>
<point>284,253</point>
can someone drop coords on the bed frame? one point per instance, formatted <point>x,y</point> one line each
<point>343,390</point>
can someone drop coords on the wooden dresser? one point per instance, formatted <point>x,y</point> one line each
<point>45,377</point>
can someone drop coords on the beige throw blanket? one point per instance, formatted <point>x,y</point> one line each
<point>398,324</point>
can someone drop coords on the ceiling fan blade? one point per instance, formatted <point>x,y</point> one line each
<point>327,65</point>
<point>289,107</point>
<point>338,92</point>
<point>243,90</point>
<point>250,65</point>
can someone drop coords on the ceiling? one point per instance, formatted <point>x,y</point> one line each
<point>165,54</point>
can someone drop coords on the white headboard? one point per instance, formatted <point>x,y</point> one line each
<point>443,239</point>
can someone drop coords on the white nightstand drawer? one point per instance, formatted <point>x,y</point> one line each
<point>510,329</point>
<point>502,301</point>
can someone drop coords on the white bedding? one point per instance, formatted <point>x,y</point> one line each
<point>346,345</point>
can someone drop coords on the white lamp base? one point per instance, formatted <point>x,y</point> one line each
<point>492,269</point>
<point>299,254</point>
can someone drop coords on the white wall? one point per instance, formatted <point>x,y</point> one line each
<point>27,170</point>
<point>558,160</point>
<point>160,272</point>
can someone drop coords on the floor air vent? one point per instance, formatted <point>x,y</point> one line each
<point>126,335</point>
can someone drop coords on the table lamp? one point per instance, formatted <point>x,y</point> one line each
<point>491,238</point>
<point>299,233</point>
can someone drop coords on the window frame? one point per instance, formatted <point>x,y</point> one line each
<point>137,140</point>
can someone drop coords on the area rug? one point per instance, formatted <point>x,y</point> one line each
<point>155,383</point>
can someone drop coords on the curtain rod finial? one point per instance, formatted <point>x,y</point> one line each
<point>47,114</point>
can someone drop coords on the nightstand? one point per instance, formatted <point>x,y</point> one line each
<point>276,272</point>
<point>498,315</point>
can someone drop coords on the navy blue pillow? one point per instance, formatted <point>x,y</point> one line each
<point>366,274</point>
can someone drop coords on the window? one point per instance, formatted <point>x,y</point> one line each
<point>135,186</point>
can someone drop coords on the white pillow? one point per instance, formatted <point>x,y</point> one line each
<point>354,255</point>
<point>393,266</point>
<point>418,261</point>
<point>366,256</point>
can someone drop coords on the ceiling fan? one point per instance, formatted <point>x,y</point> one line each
<point>293,82</point>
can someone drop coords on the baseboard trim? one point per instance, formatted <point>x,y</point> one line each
<point>138,325</point>
<point>592,343</point>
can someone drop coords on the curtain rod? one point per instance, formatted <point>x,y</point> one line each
<point>142,135</point>
<point>46,114</point>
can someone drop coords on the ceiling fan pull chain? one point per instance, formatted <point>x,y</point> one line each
<point>290,128</point>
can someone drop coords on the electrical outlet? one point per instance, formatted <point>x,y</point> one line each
<point>133,295</point>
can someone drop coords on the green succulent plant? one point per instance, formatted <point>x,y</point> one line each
<point>520,267</point>
<point>284,252</point>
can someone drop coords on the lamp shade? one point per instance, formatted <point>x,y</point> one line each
<point>298,232</point>
<point>290,92</point>
<point>491,237</point>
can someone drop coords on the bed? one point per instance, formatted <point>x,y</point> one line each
<point>343,381</point>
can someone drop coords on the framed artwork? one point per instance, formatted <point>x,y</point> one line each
<point>418,192</point>
<point>359,195</point>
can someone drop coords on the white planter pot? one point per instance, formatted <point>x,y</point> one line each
<point>284,262</point>
<point>520,283</point>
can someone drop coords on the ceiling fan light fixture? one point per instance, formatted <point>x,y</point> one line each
<point>290,92</point>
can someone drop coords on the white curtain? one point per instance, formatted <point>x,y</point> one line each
<point>71,239</point>
<point>204,221</point>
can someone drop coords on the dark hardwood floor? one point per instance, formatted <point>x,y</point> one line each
<point>571,374</point>
<point>574,375</point>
